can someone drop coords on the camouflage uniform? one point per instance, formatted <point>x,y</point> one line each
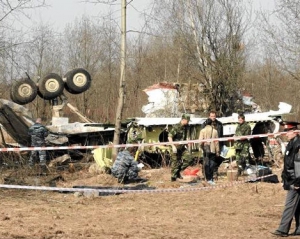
<point>38,132</point>
<point>182,159</point>
<point>242,146</point>
<point>135,134</point>
<point>125,167</point>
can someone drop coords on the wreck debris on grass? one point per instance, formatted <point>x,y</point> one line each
<point>247,210</point>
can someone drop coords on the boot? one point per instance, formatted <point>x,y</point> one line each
<point>179,175</point>
<point>43,169</point>
<point>239,172</point>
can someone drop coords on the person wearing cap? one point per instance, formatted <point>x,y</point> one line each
<point>291,182</point>
<point>180,156</point>
<point>289,125</point>
<point>242,146</point>
<point>219,127</point>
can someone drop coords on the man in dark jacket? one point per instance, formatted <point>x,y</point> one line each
<point>291,182</point>
<point>38,133</point>
<point>219,127</point>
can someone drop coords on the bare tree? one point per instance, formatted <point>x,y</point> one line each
<point>209,40</point>
<point>11,41</point>
<point>282,35</point>
<point>95,47</point>
<point>11,12</point>
<point>13,8</point>
<point>38,57</point>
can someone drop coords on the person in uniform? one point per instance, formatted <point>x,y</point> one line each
<point>135,133</point>
<point>291,182</point>
<point>125,168</point>
<point>38,133</point>
<point>242,146</point>
<point>180,156</point>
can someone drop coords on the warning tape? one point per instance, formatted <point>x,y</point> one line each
<point>233,138</point>
<point>126,190</point>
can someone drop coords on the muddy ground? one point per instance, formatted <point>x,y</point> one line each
<point>229,210</point>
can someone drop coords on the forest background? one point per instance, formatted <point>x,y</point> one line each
<point>223,45</point>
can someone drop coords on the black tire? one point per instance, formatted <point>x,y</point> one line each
<point>13,99</point>
<point>23,91</point>
<point>77,81</point>
<point>50,86</point>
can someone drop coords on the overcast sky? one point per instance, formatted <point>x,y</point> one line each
<point>61,12</point>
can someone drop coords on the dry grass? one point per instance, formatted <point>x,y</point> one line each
<point>246,210</point>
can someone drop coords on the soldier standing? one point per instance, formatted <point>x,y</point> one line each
<point>180,156</point>
<point>38,133</point>
<point>242,146</point>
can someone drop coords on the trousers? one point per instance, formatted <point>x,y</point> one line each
<point>209,165</point>
<point>180,161</point>
<point>291,209</point>
<point>34,155</point>
<point>242,157</point>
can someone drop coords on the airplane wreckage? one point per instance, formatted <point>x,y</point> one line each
<point>161,114</point>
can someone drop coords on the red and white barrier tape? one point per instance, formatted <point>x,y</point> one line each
<point>114,191</point>
<point>234,138</point>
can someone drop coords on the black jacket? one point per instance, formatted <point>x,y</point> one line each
<point>291,169</point>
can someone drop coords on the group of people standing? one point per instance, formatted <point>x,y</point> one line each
<point>180,156</point>
<point>211,129</point>
<point>126,168</point>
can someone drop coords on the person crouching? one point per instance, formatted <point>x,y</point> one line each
<point>125,167</point>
